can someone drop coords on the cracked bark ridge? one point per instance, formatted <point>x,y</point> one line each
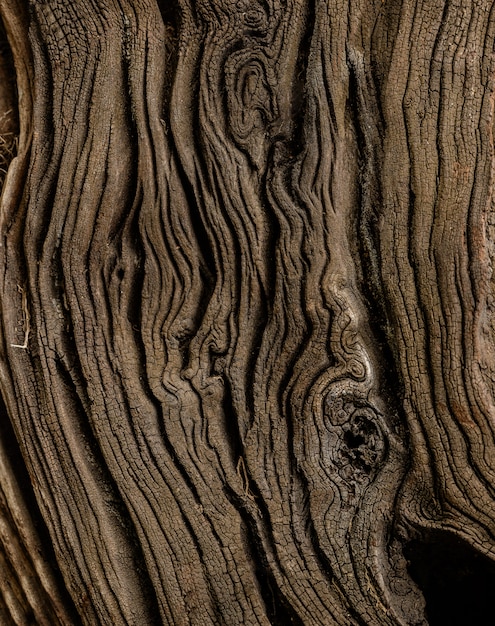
<point>247,306</point>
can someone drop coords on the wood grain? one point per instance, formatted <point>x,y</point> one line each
<point>246,307</point>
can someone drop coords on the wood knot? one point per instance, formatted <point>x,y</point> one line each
<point>256,22</point>
<point>357,369</point>
<point>363,441</point>
<point>358,441</point>
<point>252,104</point>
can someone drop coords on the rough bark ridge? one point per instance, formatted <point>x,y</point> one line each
<point>247,310</point>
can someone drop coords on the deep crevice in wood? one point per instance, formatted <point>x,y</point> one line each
<point>456,580</point>
<point>9,113</point>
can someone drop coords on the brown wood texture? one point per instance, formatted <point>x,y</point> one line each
<point>247,332</point>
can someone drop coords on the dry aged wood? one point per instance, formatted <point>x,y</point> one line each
<point>247,330</point>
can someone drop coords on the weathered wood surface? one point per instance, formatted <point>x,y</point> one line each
<point>247,306</point>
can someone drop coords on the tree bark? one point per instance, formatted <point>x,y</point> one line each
<point>247,310</point>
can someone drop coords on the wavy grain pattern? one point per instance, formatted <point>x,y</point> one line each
<point>247,307</point>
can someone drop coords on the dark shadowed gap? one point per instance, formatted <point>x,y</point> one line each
<point>9,113</point>
<point>456,580</point>
<point>362,124</point>
<point>170,12</point>
<point>363,116</point>
<point>296,143</point>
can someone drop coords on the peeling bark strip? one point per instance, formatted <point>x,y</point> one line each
<point>247,306</point>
